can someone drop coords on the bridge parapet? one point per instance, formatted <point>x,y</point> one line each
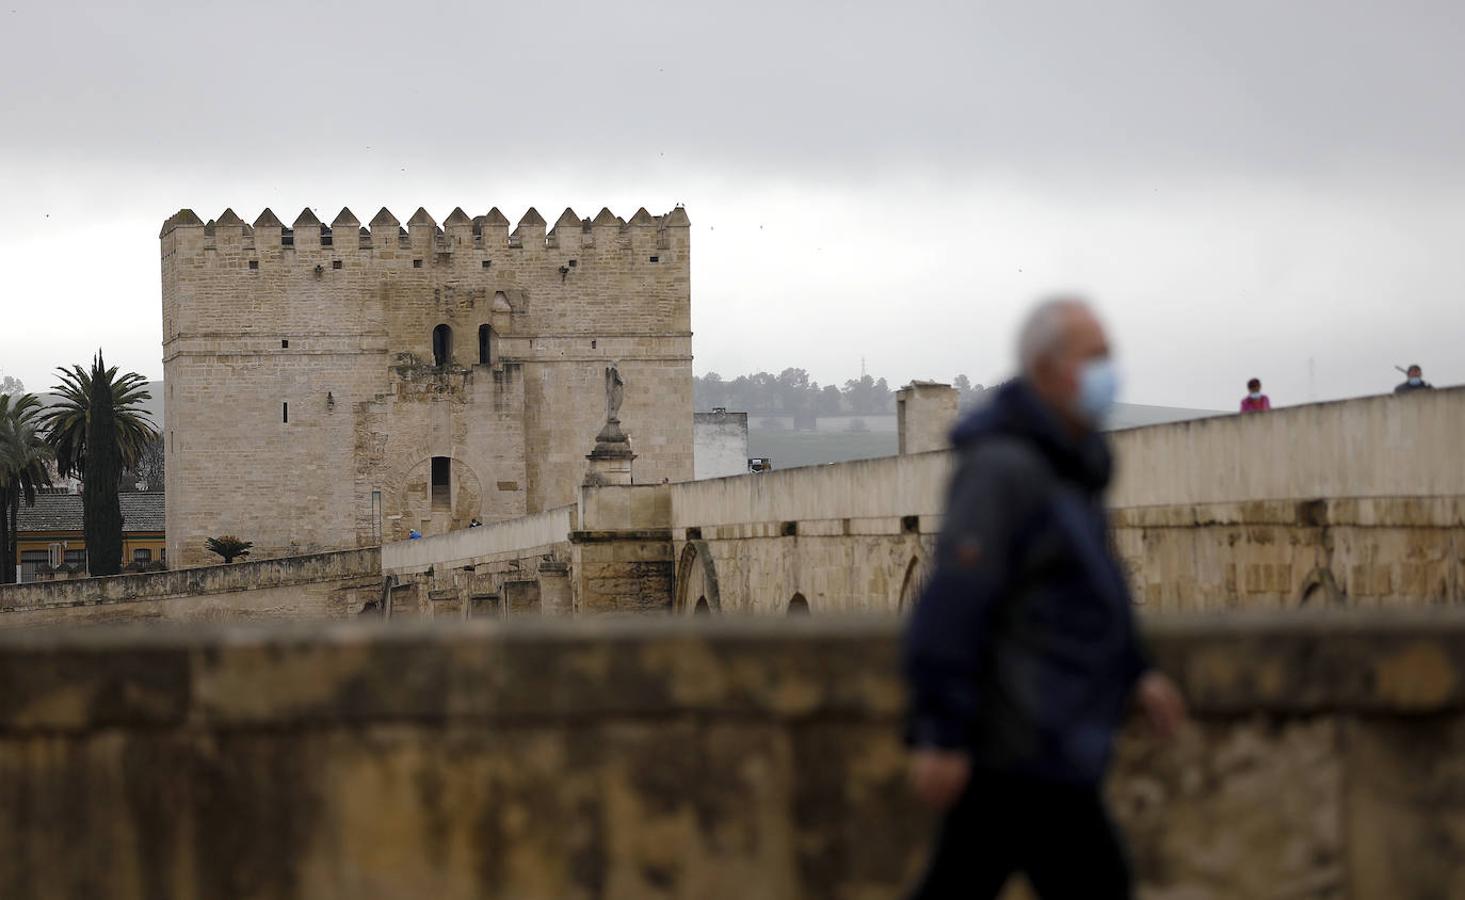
<point>722,759</point>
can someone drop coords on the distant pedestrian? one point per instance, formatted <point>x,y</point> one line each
<point>474,523</point>
<point>1022,655</point>
<point>1414,381</point>
<point>1255,400</point>
<point>414,535</point>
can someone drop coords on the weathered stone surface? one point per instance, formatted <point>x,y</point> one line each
<point>368,405</point>
<point>1405,827</point>
<point>644,758</point>
<point>319,586</point>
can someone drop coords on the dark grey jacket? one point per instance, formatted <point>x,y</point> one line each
<point>1022,648</point>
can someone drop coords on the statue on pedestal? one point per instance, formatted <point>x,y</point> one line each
<point>615,392</point>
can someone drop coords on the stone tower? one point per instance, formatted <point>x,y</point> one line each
<point>333,386</point>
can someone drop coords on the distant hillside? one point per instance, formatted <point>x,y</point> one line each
<point>833,440</point>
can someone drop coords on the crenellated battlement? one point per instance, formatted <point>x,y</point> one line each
<point>185,232</point>
<point>414,370</point>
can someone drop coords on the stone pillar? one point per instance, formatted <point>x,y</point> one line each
<point>610,461</point>
<point>554,589</point>
<point>925,413</point>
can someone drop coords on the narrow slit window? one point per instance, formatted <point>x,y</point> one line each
<point>285,412</point>
<point>442,482</point>
<point>284,344</point>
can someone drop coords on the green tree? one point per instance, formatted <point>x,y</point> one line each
<point>101,475</point>
<point>67,422</point>
<point>859,394</point>
<point>792,390</point>
<point>23,458</point>
<point>831,401</point>
<point>148,474</point>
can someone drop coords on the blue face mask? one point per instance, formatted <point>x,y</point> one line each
<point>1098,387</point>
<point>1415,380</point>
<point>1255,395</point>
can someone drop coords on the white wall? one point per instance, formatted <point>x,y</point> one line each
<point>719,444</point>
<point>1386,446</point>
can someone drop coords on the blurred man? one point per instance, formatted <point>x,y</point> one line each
<point>1022,655</point>
<point>1414,381</point>
<point>1255,400</point>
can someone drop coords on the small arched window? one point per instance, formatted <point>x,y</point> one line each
<point>442,345</point>
<point>798,606</point>
<point>702,608</point>
<point>485,344</point>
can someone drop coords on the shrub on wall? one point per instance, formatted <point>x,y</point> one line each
<point>229,547</point>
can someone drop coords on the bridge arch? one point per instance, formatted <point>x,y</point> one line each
<point>1320,588</point>
<point>910,586</point>
<point>696,592</point>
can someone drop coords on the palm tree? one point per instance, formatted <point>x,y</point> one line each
<point>23,458</point>
<point>97,429</point>
<point>66,421</point>
<point>101,511</point>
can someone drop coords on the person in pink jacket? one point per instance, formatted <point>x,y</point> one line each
<point>1255,400</point>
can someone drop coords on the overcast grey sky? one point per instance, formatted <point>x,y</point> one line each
<point>1246,187</point>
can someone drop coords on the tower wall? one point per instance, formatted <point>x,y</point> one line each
<point>338,322</point>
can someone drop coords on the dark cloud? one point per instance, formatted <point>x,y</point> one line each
<point>1242,85</point>
<point>1252,188</point>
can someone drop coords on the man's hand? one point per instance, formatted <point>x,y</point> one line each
<point>939,776</point>
<point>1163,706</point>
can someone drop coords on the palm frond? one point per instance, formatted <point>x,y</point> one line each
<point>23,450</point>
<point>66,420</point>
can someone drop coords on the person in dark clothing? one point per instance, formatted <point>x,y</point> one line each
<point>1022,655</point>
<point>1413,381</point>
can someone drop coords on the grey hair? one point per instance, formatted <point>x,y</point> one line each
<point>1045,328</point>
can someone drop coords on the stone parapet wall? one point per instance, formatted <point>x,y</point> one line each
<point>892,486</point>
<point>724,759</point>
<point>1349,551</point>
<point>320,586</point>
<point>516,538</point>
<point>1386,446</point>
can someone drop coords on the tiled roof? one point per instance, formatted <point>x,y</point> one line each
<point>141,511</point>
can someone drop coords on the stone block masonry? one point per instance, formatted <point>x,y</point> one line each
<point>336,585</point>
<point>336,386</point>
<point>717,759</point>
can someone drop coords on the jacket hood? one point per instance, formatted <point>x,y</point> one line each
<point>1017,412</point>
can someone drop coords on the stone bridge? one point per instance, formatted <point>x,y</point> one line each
<point>642,759</point>
<point>1356,503</point>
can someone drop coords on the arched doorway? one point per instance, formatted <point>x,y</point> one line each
<point>798,606</point>
<point>442,345</point>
